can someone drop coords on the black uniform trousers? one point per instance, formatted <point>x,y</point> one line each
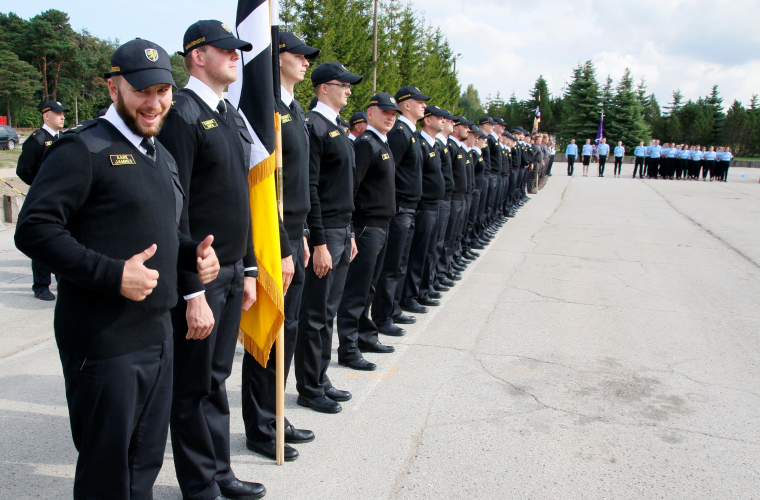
<point>708,168</point>
<point>424,227</point>
<point>394,265</point>
<point>570,164</point>
<point>471,231</point>
<point>41,277</point>
<point>551,163</point>
<point>511,194</point>
<point>119,412</point>
<point>449,245</point>
<point>258,387</point>
<point>444,209</point>
<point>355,329</point>
<point>321,297</point>
<point>493,196</point>
<point>482,215</point>
<point>505,203</point>
<point>653,168</point>
<point>459,240</point>
<point>428,272</point>
<point>200,420</point>
<point>618,165</point>
<point>602,163</point>
<point>638,166</point>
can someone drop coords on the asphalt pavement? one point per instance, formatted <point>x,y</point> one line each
<point>605,345</point>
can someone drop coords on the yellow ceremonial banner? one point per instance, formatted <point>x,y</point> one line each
<point>260,324</point>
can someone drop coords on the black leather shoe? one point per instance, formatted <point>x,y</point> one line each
<point>443,280</point>
<point>455,277</point>
<point>474,255</point>
<point>44,294</point>
<point>322,404</point>
<point>377,347</point>
<point>457,267</point>
<point>441,288</point>
<point>477,246</point>
<point>294,436</point>
<point>269,450</point>
<point>403,319</point>
<point>426,301</point>
<point>243,490</point>
<point>392,330</point>
<point>435,294</point>
<point>413,307</point>
<point>337,394</point>
<point>511,214</point>
<point>359,364</point>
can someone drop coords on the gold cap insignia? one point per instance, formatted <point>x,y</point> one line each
<point>151,54</point>
<point>226,28</point>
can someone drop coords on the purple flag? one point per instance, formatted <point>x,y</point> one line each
<point>599,132</point>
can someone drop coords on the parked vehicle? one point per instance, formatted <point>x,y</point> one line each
<point>8,138</point>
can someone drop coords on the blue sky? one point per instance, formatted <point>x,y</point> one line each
<point>685,44</point>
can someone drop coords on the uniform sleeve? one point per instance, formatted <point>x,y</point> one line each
<point>31,154</point>
<point>179,138</point>
<point>285,250</point>
<point>399,144</point>
<point>60,190</point>
<point>314,218</point>
<point>364,156</point>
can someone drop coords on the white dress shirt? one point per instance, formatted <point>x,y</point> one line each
<point>379,134</point>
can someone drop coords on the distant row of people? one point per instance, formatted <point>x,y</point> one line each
<point>669,161</point>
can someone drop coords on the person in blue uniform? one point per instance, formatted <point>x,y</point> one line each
<point>32,153</point>
<point>640,154</point>
<point>619,157</point>
<point>654,159</point>
<point>588,150</point>
<point>571,152</point>
<point>603,150</point>
<point>696,162</point>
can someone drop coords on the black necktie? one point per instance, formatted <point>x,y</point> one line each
<point>221,108</point>
<point>337,121</point>
<point>150,150</point>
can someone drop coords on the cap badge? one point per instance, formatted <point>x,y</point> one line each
<point>226,28</point>
<point>393,100</point>
<point>151,54</point>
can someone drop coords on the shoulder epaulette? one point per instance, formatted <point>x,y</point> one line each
<point>186,107</point>
<point>81,126</point>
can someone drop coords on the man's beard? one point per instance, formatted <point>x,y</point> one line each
<point>131,120</point>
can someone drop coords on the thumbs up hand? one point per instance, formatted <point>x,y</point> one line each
<point>206,261</point>
<point>138,281</point>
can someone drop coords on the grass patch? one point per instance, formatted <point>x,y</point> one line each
<point>9,159</point>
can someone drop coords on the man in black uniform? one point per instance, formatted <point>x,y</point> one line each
<point>212,146</point>
<point>426,218</point>
<point>494,176</point>
<point>444,208</point>
<point>104,214</point>
<point>357,124</point>
<point>407,156</point>
<point>459,156</point>
<point>331,240</point>
<point>374,201</point>
<point>29,164</point>
<point>258,389</point>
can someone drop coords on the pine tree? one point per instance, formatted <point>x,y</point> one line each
<point>718,117</point>
<point>628,124</point>
<point>472,109</point>
<point>581,106</point>
<point>737,129</point>
<point>541,88</point>
<point>18,80</point>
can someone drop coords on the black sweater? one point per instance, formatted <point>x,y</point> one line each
<point>96,202</point>
<point>331,177</point>
<point>515,157</point>
<point>375,185</point>
<point>470,169</point>
<point>32,152</point>
<point>212,155</point>
<point>408,157</point>
<point>295,174</point>
<point>433,183</point>
<point>495,154</point>
<point>481,161</point>
<point>458,169</point>
<point>448,178</point>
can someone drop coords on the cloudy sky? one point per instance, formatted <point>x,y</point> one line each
<point>506,45</point>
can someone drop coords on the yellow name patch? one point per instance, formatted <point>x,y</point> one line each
<point>459,157</point>
<point>209,124</point>
<point>445,150</point>
<point>413,141</point>
<point>479,160</point>
<point>285,118</point>
<point>48,143</point>
<point>334,133</point>
<point>117,160</point>
<point>386,156</point>
<point>432,155</point>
